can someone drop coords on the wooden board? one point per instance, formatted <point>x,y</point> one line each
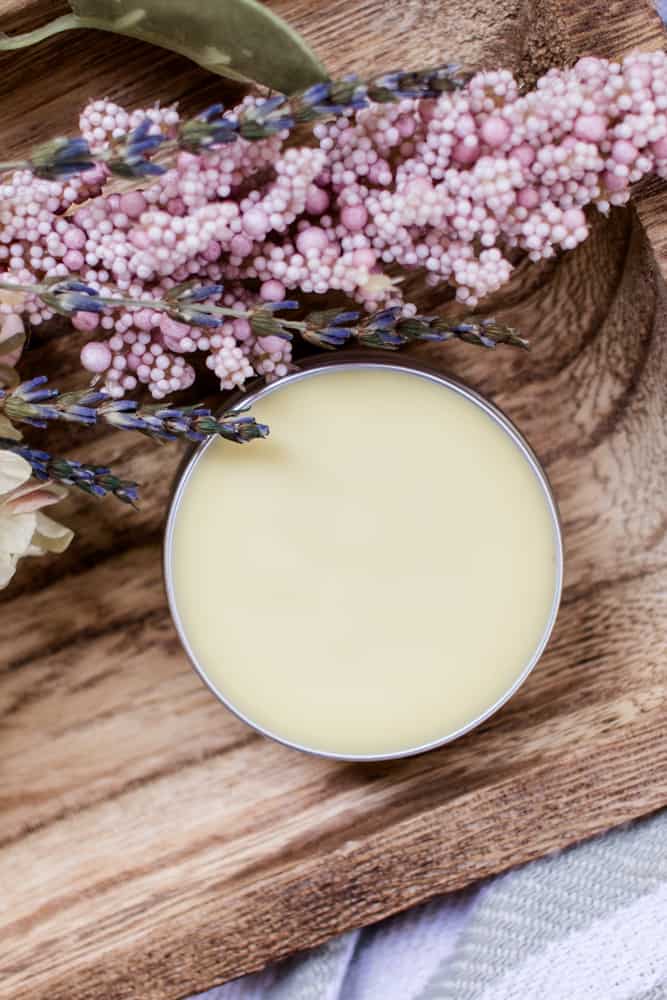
<point>152,846</point>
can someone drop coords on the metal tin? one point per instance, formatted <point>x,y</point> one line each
<point>316,369</point>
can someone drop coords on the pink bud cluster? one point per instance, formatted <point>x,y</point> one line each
<point>450,186</point>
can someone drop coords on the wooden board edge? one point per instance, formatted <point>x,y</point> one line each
<point>367,880</point>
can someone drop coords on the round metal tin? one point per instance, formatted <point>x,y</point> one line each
<point>316,369</point>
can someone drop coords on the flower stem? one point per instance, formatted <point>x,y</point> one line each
<point>16,286</point>
<point>8,165</point>
<point>160,306</point>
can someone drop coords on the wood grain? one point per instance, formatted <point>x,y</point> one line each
<point>151,845</point>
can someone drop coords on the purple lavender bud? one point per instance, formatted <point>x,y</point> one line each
<point>285,304</point>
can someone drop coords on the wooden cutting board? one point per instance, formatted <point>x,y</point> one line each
<point>151,845</point>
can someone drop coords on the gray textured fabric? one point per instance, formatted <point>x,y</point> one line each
<point>588,923</point>
<point>318,976</point>
<point>657,993</point>
<point>538,904</point>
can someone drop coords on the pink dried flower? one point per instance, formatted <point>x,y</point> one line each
<point>446,184</point>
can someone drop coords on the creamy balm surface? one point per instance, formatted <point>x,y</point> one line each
<point>373,576</point>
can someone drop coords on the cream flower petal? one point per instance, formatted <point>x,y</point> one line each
<point>14,471</point>
<point>7,568</point>
<point>33,497</point>
<point>50,535</point>
<point>16,531</point>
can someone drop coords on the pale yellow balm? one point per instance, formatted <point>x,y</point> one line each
<point>373,577</point>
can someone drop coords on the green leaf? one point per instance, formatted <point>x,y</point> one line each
<point>240,39</point>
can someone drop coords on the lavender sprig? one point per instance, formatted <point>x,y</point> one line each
<point>209,129</point>
<point>332,98</point>
<point>390,330</point>
<point>132,155</point>
<point>68,295</point>
<point>184,303</point>
<point>330,328</point>
<point>96,480</point>
<point>60,158</point>
<point>386,328</point>
<point>328,99</point>
<point>194,423</point>
<point>483,332</point>
<point>36,403</point>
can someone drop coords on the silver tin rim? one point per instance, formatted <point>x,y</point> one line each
<point>318,368</point>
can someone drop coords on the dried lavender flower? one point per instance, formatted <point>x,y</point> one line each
<point>266,118</point>
<point>36,403</point>
<point>482,333</point>
<point>96,480</point>
<point>386,328</point>
<point>330,328</point>
<point>69,296</point>
<point>130,155</point>
<point>417,83</point>
<point>264,322</point>
<point>390,330</point>
<point>209,128</point>
<point>194,423</point>
<point>61,158</point>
